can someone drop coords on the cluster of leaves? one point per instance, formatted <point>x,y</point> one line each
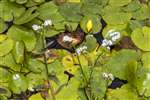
<point>70,76</point>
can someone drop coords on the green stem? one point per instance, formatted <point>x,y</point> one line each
<point>46,67</point>
<point>94,65</point>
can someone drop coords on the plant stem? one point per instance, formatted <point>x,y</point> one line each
<point>46,67</point>
<point>94,65</point>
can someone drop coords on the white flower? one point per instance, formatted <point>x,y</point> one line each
<point>66,38</point>
<point>104,42</point>
<point>114,36</point>
<point>47,22</point>
<point>31,88</point>
<point>16,76</point>
<point>108,76</point>
<point>81,49</point>
<point>107,43</point>
<point>36,27</point>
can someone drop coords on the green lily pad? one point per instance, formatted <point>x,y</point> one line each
<point>146,59</point>
<point>119,2</point>
<point>18,83</point>
<point>6,46</point>
<point>35,65</point>
<point>117,18</point>
<point>3,26</point>
<point>98,84</point>
<point>18,52</point>
<point>90,42</point>
<point>19,33</point>
<point>46,10</point>
<point>95,21</point>
<point>71,12</point>
<point>123,93</point>
<point>117,65</point>
<point>27,16</point>
<point>143,81</point>
<point>9,61</point>
<point>141,38</point>
<point>4,75</point>
<point>10,10</point>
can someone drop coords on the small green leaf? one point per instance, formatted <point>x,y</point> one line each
<point>10,10</point>
<point>35,65</point>
<point>8,61</point>
<point>146,59</point>
<point>19,33</point>
<point>6,46</point>
<point>27,16</point>
<point>71,12</point>
<point>18,83</point>
<point>141,38</point>
<point>118,63</point>
<point>96,23</point>
<point>18,52</point>
<point>3,26</point>
<point>90,42</point>
<point>46,10</point>
<point>119,2</point>
<point>117,18</point>
<point>123,93</point>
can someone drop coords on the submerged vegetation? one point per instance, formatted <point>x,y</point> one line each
<point>74,50</point>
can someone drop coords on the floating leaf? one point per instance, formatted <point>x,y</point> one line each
<point>46,10</point>
<point>35,65</point>
<point>18,52</point>
<point>8,61</point>
<point>117,18</point>
<point>71,12</point>
<point>3,26</point>
<point>27,16</point>
<point>36,97</point>
<point>119,2</point>
<point>5,46</point>
<point>95,21</point>
<point>90,43</point>
<point>10,10</point>
<point>123,93</point>
<point>22,34</point>
<point>143,81</point>
<point>4,75</point>
<point>141,38</point>
<point>98,84</point>
<point>117,64</point>
<point>18,83</point>
<point>146,59</point>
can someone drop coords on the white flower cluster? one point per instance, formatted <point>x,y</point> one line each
<point>81,50</point>
<point>45,24</point>
<point>36,27</point>
<point>108,76</point>
<point>113,36</point>
<point>67,38</point>
<point>16,76</point>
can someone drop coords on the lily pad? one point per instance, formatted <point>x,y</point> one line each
<point>119,2</point>
<point>117,65</point>
<point>3,26</point>
<point>6,46</point>
<point>18,83</point>
<point>19,33</point>
<point>117,18</point>
<point>95,21</point>
<point>146,59</point>
<point>141,38</point>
